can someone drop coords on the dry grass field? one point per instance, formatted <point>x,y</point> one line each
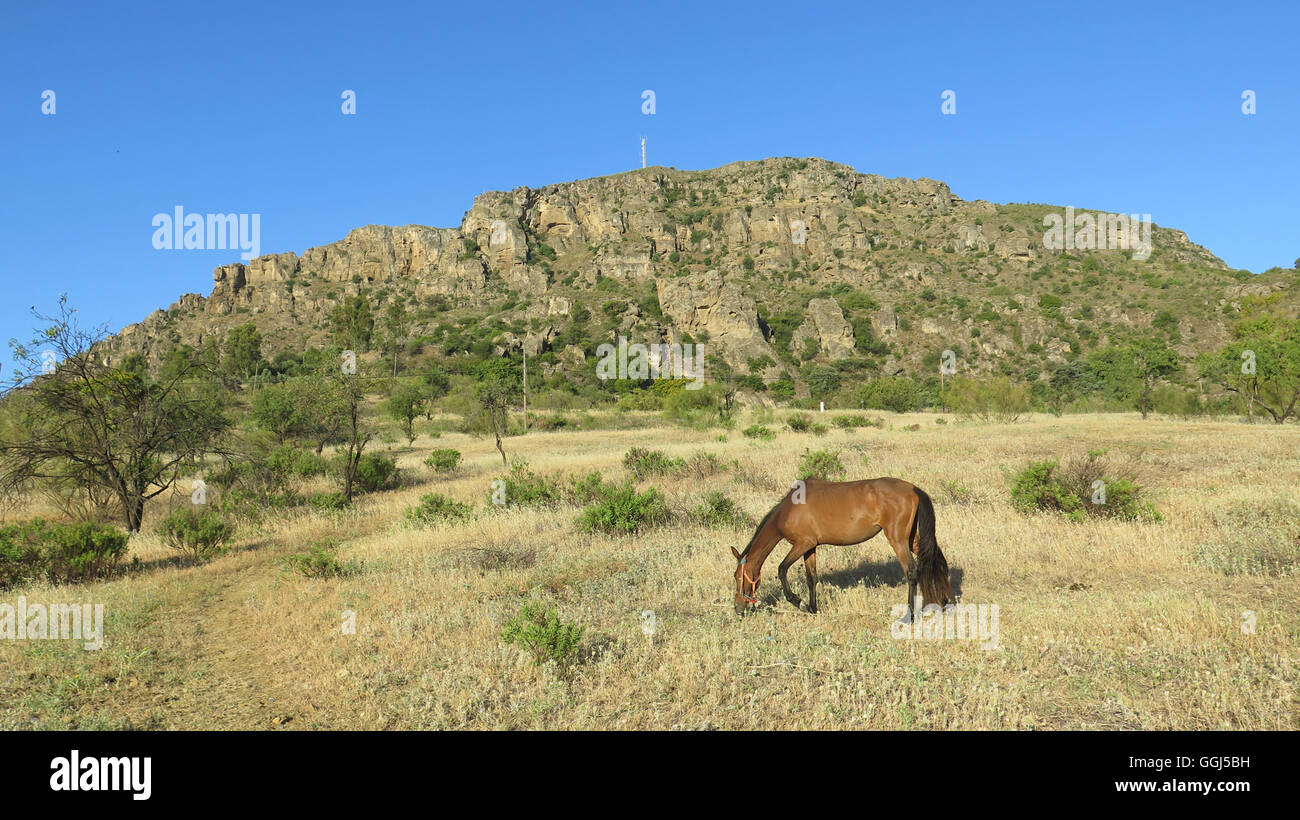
<point>1103,624</point>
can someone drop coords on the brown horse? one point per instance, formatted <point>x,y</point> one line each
<point>840,513</point>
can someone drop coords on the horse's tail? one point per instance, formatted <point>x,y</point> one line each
<point>931,566</point>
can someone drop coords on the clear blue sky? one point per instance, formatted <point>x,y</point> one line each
<point>235,107</point>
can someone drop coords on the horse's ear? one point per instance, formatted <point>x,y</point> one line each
<point>737,554</point>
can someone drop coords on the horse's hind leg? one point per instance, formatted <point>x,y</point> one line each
<point>797,551</point>
<point>897,536</point>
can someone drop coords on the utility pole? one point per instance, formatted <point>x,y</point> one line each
<point>525,389</point>
<point>643,152</point>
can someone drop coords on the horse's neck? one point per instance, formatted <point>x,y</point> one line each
<point>756,557</point>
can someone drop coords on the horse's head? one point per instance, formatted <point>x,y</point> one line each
<point>746,583</point>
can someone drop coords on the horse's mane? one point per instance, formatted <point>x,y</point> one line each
<point>761,525</point>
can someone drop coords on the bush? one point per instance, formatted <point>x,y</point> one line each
<point>197,531</point>
<point>996,399</point>
<point>543,634</point>
<point>623,510</point>
<point>288,460</point>
<point>375,472</point>
<point>717,510</point>
<point>799,423</point>
<point>58,553</point>
<point>758,431</point>
<point>896,393</point>
<point>435,507</point>
<point>848,422</point>
<point>587,490</point>
<point>703,465</point>
<point>700,408</point>
<point>321,562</point>
<point>525,488</point>
<point>1080,488</point>
<point>643,463</point>
<point>824,464</point>
<point>326,502</point>
<point>443,460</point>
<point>955,492</point>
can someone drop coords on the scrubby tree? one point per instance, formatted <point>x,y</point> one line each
<point>77,415</point>
<point>406,403</point>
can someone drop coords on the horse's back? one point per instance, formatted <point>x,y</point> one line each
<point>846,512</point>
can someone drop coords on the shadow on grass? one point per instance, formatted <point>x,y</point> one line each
<point>881,573</point>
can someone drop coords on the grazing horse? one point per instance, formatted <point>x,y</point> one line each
<point>842,513</point>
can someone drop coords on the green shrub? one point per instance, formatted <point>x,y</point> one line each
<point>58,553</point>
<point>443,460</point>
<point>850,422</point>
<point>587,490</point>
<point>1072,488</point>
<point>375,472</point>
<point>623,510</point>
<point>525,488</point>
<point>896,393</point>
<point>643,463</point>
<point>321,562</point>
<point>718,510</point>
<point>758,431</point>
<point>991,399</point>
<point>434,508</point>
<point>799,423</point>
<point>288,460</point>
<point>823,464</point>
<point>818,429</point>
<point>326,502</point>
<point>541,633</point>
<point>197,531</point>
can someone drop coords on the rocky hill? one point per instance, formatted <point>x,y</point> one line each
<point>773,264</point>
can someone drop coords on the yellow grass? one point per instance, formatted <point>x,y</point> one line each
<point>1103,624</point>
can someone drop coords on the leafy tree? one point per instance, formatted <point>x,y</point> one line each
<point>351,395</point>
<point>436,382</point>
<point>1153,360</point>
<point>407,402</point>
<point>353,322</point>
<point>1260,364</point>
<point>243,354</point>
<point>397,328</point>
<point>823,380</point>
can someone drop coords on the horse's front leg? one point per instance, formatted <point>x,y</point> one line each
<point>796,552</point>
<point>810,568</point>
